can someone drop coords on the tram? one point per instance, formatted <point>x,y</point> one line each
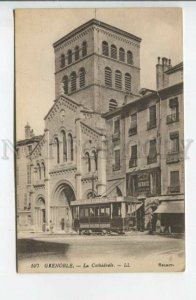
<point>106,215</point>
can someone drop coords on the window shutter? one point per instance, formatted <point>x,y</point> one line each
<point>129,57</point>
<point>173,102</point>
<point>113,104</point>
<point>77,55</point>
<point>62,60</point>
<point>117,159</point>
<point>65,85</point>
<point>152,150</point>
<point>73,81</point>
<point>108,77</point>
<point>134,152</point>
<point>116,126</point>
<point>118,80</point>
<point>105,49</point>
<point>128,82</point>
<point>152,112</point>
<point>84,48</point>
<point>113,52</point>
<point>82,77</point>
<point>175,142</point>
<point>174,179</point>
<point>69,54</point>
<point>134,120</point>
<point>121,54</point>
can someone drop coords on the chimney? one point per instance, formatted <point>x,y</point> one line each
<point>32,133</point>
<point>162,78</point>
<point>27,131</point>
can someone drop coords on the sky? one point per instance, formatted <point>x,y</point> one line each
<point>37,29</point>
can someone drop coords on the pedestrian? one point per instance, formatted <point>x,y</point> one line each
<point>158,226</point>
<point>51,226</point>
<point>62,224</point>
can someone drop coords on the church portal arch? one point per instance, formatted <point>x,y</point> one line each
<point>61,214</point>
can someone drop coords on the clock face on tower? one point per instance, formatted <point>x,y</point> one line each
<point>62,115</point>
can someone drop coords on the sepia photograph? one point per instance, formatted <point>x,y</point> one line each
<point>99,162</point>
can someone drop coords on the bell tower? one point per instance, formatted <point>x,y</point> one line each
<point>97,63</point>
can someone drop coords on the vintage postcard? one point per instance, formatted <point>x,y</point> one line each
<point>99,140</point>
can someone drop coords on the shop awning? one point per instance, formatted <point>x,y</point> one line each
<point>170,207</point>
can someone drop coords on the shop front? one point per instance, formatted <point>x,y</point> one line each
<point>170,217</point>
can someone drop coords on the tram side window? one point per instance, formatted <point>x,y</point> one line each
<point>104,211</point>
<point>94,211</point>
<point>107,211</point>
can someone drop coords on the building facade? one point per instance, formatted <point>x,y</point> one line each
<point>23,177</point>
<point>105,139</point>
<point>146,157</point>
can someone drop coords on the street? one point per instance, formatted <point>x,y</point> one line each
<point>138,247</point>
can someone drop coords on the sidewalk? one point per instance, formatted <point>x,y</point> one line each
<point>31,235</point>
<point>61,234</point>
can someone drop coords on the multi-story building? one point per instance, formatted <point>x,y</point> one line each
<point>104,136</point>
<point>171,207</point>
<point>145,156</point>
<point>23,177</point>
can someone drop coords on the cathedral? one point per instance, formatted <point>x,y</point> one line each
<point>111,152</point>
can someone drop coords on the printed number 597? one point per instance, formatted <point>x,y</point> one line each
<point>34,266</point>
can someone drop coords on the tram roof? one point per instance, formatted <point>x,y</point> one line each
<point>105,200</point>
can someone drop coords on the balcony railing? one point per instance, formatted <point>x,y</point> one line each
<point>132,130</point>
<point>172,157</point>
<point>151,124</point>
<point>151,160</point>
<point>172,118</point>
<point>116,167</point>
<point>133,162</point>
<point>116,136</point>
<point>173,189</point>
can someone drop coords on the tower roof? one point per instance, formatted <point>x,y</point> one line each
<point>100,24</point>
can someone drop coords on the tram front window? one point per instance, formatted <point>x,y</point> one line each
<point>84,212</point>
<point>75,213</point>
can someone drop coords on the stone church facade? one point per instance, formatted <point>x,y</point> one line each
<point>85,151</point>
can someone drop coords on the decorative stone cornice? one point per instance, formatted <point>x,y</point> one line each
<point>63,172</point>
<point>72,40</point>
<point>94,24</point>
<point>118,37</point>
<point>90,132</point>
<point>40,186</point>
<point>88,178</point>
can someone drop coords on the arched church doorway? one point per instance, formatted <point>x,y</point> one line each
<point>40,214</point>
<point>61,214</point>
